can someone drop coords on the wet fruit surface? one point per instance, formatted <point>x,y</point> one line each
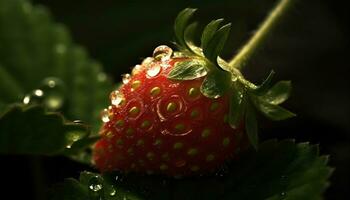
<point>156,125</point>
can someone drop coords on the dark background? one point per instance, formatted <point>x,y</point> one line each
<point>310,48</point>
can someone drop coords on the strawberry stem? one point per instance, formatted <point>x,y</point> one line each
<point>247,53</point>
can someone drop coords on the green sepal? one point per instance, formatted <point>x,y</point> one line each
<point>190,33</point>
<point>217,43</point>
<point>237,108</point>
<point>188,70</point>
<point>216,84</point>
<point>265,86</point>
<point>209,31</point>
<point>251,126</point>
<point>271,111</point>
<point>181,23</point>
<point>279,93</point>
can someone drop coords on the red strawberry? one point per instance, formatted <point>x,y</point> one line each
<point>181,113</point>
<point>160,125</point>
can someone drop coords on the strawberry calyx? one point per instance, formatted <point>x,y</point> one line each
<point>221,79</point>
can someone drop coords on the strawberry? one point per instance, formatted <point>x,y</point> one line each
<point>180,113</point>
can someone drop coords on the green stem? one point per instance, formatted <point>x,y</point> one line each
<point>276,16</point>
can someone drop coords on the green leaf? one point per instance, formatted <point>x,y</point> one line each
<point>209,31</point>
<point>9,87</point>
<point>217,43</point>
<point>265,86</point>
<point>70,189</point>
<point>79,150</point>
<point>271,111</point>
<point>251,126</point>
<point>278,93</point>
<point>237,107</point>
<point>31,130</point>
<point>215,84</point>
<point>180,26</point>
<point>278,170</point>
<point>188,70</point>
<point>33,48</point>
<point>91,186</point>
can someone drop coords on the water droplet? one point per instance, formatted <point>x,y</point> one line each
<point>105,115</point>
<point>117,98</point>
<point>49,94</point>
<point>137,69</point>
<point>73,136</point>
<point>126,78</point>
<point>95,184</point>
<point>147,61</point>
<point>78,121</point>
<point>178,54</point>
<point>38,93</point>
<point>153,71</point>
<point>112,192</point>
<point>26,99</point>
<point>54,102</point>
<point>35,97</point>
<point>51,83</point>
<point>175,103</point>
<point>283,195</point>
<point>53,93</point>
<point>162,53</point>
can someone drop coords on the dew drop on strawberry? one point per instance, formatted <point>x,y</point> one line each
<point>162,53</point>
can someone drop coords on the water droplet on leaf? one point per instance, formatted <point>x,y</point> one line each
<point>35,97</point>
<point>95,184</point>
<point>78,121</point>
<point>112,192</point>
<point>26,99</point>
<point>283,195</point>
<point>38,93</point>
<point>54,93</point>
